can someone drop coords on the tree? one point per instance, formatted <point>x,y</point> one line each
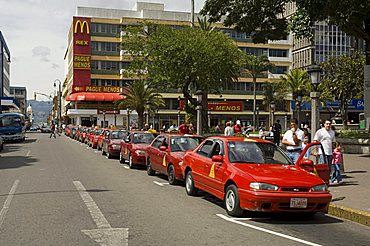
<point>186,58</point>
<point>255,66</point>
<point>273,92</point>
<point>343,80</point>
<point>297,82</point>
<point>141,97</point>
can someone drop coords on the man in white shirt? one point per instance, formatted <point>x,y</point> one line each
<point>229,130</point>
<point>293,139</point>
<point>326,136</point>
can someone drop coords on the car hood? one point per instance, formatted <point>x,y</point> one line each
<point>179,156</point>
<point>280,175</point>
<point>116,141</point>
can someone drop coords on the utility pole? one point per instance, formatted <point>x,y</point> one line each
<point>192,13</point>
<point>59,103</point>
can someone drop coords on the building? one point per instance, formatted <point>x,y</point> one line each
<point>96,64</point>
<point>7,103</point>
<point>19,93</point>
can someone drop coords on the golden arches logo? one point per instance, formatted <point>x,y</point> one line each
<point>82,25</point>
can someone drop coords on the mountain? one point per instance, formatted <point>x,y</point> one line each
<point>41,110</point>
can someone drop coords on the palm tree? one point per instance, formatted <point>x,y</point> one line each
<point>255,66</point>
<point>205,25</point>
<point>139,96</point>
<point>298,83</point>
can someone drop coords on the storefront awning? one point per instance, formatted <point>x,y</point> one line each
<point>90,96</point>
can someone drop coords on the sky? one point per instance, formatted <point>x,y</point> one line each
<point>36,32</point>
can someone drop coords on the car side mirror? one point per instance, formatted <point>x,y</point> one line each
<point>163,148</point>
<point>307,165</point>
<point>218,158</point>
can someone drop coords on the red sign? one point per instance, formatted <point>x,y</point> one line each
<point>81,51</point>
<point>221,106</point>
<point>91,88</point>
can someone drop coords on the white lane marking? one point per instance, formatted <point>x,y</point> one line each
<point>28,153</point>
<point>7,202</point>
<point>266,230</point>
<point>94,210</point>
<point>161,184</point>
<point>105,234</point>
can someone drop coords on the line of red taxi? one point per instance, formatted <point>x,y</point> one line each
<point>246,173</point>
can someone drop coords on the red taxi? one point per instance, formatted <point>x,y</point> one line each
<point>166,151</point>
<point>255,175</point>
<point>100,138</point>
<point>93,138</point>
<point>112,142</point>
<point>133,148</point>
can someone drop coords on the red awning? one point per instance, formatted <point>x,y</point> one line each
<point>90,96</point>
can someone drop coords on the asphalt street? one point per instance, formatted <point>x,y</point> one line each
<point>60,192</point>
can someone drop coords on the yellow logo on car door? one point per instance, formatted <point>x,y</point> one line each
<point>212,172</point>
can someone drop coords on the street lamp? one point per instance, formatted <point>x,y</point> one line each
<point>104,118</point>
<point>178,116</point>
<point>298,106</point>
<point>59,103</point>
<point>314,73</point>
<point>257,116</point>
<point>199,96</point>
<point>128,118</point>
<point>272,107</point>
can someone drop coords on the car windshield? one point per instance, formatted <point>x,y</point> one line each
<point>184,143</point>
<point>143,138</point>
<point>256,152</point>
<point>98,132</point>
<point>117,134</point>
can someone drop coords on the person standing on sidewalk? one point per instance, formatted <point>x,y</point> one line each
<point>336,177</point>
<point>326,136</point>
<point>276,129</point>
<point>229,131</point>
<point>293,139</point>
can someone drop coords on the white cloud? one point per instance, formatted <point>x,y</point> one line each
<point>42,52</point>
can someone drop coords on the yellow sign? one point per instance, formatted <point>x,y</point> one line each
<point>212,172</point>
<point>82,62</point>
<point>110,89</point>
<point>164,161</point>
<point>82,42</point>
<point>82,26</point>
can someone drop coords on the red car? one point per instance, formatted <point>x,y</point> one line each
<point>93,138</point>
<point>100,138</point>
<point>255,175</point>
<point>112,142</point>
<point>166,151</point>
<point>133,148</point>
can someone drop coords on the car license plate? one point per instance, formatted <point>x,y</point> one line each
<point>298,202</point>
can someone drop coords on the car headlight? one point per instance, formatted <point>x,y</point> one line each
<point>180,163</point>
<point>140,152</point>
<point>116,146</point>
<point>319,188</point>
<point>263,186</point>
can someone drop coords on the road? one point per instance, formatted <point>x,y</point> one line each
<point>60,192</point>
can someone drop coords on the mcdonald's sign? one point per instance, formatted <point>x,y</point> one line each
<point>80,27</point>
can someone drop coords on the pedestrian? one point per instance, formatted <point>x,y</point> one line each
<point>237,127</point>
<point>229,131</point>
<point>337,161</point>
<point>52,129</point>
<point>184,128</point>
<point>326,136</point>
<point>293,139</point>
<point>277,132</point>
<point>218,128</point>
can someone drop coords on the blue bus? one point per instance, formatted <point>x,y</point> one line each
<point>12,127</point>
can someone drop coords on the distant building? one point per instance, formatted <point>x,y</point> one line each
<point>20,95</point>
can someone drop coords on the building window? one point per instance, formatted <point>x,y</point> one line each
<point>279,70</point>
<point>278,53</point>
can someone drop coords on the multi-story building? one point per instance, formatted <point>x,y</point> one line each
<point>20,95</point>
<point>7,103</point>
<point>96,64</point>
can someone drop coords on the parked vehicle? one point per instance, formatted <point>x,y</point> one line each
<point>93,138</point>
<point>12,127</point>
<point>256,175</point>
<point>133,148</point>
<point>165,153</point>
<point>112,142</point>
<point>1,143</point>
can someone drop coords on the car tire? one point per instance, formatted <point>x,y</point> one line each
<point>121,159</point>
<point>189,184</point>
<point>232,202</point>
<point>130,163</point>
<point>102,151</point>
<point>171,175</point>
<point>149,169</point>
<point>109,156</point>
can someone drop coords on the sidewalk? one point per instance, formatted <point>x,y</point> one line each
<point>351,199</point>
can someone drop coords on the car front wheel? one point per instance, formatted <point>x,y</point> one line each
<point>232,202</point>
<point>121,159</point>
<point>189,184</point>
<point>130,163</point>
<point>171,175</point>
<point>149,169</point>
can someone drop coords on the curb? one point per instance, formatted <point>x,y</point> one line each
<point>351,214</point>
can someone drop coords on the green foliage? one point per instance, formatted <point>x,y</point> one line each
<point>185,58</point>
<point>301,24</point>
<point>297,82</point>
<point>141,97</point>
<point>259,18</point>
<point>274,92</point>
<point>353,134</point>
